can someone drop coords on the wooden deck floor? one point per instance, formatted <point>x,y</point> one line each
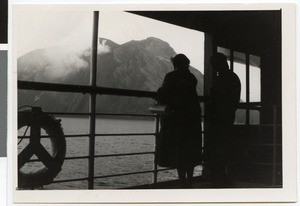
<point>201,184</point>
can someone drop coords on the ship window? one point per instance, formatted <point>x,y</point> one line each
<point>255,79</point>
<point>54,54</point>
<point>239,67</point>
<point>254,117</point>
<point>136,54</point>
<point>240,116</point>
<point>226,52</point>
<point>255,87</point>
<point>247,67</point>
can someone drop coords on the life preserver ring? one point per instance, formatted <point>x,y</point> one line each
<point>52,162</point>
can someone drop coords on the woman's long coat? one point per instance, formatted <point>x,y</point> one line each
<point>180,139</point>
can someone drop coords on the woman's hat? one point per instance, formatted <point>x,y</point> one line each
<point>180,60</point>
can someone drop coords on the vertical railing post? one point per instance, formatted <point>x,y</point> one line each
<point>155,152</point>
<point>247,88</point>
<point>274,175</point>
<point>231,60</point>
<point>92,105</point>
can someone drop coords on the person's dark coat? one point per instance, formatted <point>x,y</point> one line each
<point>180,139</point>
<point>224,99</point>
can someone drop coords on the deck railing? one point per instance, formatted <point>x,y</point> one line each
<point>95,90</point>
<point>23,85</point>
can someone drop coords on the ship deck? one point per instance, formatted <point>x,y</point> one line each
<point>200,183</point>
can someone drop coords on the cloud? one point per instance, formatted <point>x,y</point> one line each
<point>65,60</point>
<point>103,48</point>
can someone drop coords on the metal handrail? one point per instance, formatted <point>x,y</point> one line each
<point>97,135</point>
<point>261,163</point>
<point>83,89</point>
<point>249,105</point>
<point>98,156</point>
<point>97,114</point>
<point>71,180</point>
<point>106,176</point>
<point>123,174</point>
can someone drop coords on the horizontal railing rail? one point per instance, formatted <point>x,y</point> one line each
<point>84,89</point>
<point>106,155</point>
<point>97,135</point>
<point>107,176</point>
<point>71,180</point>
<point>250,105</point>
<point>97,114</point>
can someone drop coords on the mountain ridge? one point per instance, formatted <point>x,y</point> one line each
<point>135,65</point>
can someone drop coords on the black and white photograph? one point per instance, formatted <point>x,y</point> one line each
<point>148,99</point>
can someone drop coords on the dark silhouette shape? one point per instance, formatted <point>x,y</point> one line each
<point>221,108</point>
<point>180,140</point>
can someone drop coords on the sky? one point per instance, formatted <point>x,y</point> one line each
<point>40,29</point>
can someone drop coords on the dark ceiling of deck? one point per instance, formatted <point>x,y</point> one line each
<point>249,31</point>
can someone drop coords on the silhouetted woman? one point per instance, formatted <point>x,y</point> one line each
<point>179,145</point>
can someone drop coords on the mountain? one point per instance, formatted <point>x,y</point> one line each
<point>137,65</point>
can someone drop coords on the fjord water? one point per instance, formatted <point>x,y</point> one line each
<point>105,145</point>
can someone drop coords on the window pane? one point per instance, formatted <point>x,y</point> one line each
<point>240,116</point>
<point>134,52</point>
<point>239,67</point>
<point>123,104</point>
<point>255,79</point>
<point>226,52</point>
<point>254,117</point>
<point>54,47</point>
<point>54,101</point>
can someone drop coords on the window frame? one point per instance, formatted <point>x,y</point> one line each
<point>247,83</point>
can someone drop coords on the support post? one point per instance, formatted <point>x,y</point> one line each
<point>155,154</point>
<point>231,60</point>
<point>92,102</point>
<point>210,47</point>
<point>247,88</point>
<point>274,174</point>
